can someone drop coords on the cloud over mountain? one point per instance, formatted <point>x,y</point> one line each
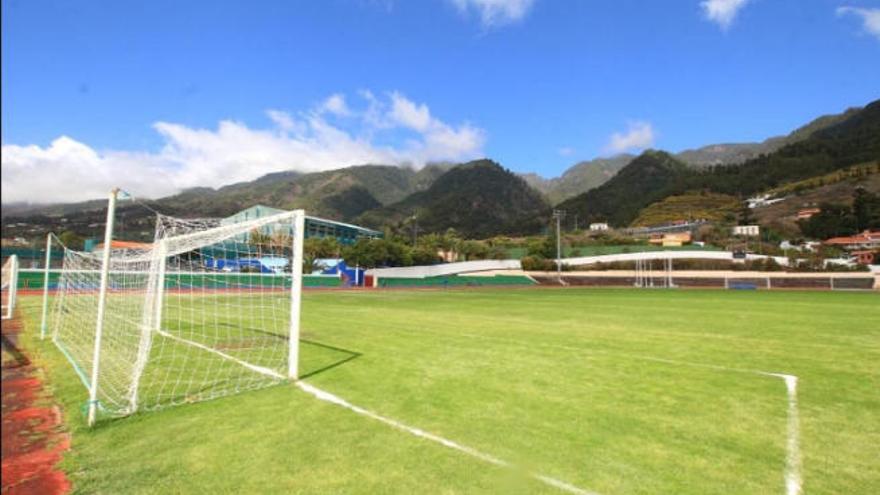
<point>639,135</point>
<point>389,129</point>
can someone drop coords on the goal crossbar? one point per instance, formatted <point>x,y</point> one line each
<point>207,310</point>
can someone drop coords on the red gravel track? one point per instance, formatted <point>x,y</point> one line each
<point>33,440</point>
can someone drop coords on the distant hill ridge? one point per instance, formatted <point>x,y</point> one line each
<point>477,199</point>
<point>836,144</point>
<point>482,198</point>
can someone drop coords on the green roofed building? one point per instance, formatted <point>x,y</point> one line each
<point>345,233</point>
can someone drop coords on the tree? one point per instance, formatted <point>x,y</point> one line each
<point>542,247</point>
<point>838,220</point>
<point>832,220</point>
<point>259,238</point>
<point>865,209</point>
<point>423,255</point>
<point>71,239</point>
<point>374,253</point>
<point>473,250</point>
<point>746,216</point>
<point>280,242</point>
<point>497,253</point>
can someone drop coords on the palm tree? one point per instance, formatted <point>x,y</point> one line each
<point>280,242</point>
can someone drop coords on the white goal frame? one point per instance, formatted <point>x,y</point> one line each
<point>10,286</point>
<point>154,298</point>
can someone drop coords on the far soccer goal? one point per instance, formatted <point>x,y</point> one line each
<point>208,309</point>
<point>9,287</point>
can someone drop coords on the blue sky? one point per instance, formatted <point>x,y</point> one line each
<point>160,95</point>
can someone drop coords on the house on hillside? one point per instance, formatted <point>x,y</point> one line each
<point>747,230</point>
<point>865,240</point>
<point>598,227</point>
<point>806,213</point>
<point>117,245</point>
<point>763,200</point>
<point>672,239</point>
<point>864,257</point>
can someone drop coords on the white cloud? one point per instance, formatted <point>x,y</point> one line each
<point>335,104</point>
<point>722,12</point>
<point>284,121</point>
<point>69,170</point>
<point>494,13</point>
<point>409,114</point>
<point>870,18</point>
<point>639,135</point>
<point>565,151</point>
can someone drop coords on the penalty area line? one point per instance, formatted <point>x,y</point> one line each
<point>339,401</point>
<point>793,465</point>
<point>793,461</point>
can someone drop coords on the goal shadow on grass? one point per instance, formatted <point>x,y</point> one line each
<point>347,355</point>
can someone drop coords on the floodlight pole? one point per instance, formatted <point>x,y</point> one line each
<point>43,322</point>
<point>558,214</point>
<point>299,224</point>
<point>102,300</point>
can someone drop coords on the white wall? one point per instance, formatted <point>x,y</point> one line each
<point>445,269</point>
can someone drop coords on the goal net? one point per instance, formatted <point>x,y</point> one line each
<point>9,286</point>
<point>207,310</point>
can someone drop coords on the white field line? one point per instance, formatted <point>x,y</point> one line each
<point>793,480</point>
<point>328,397</point>
<point>333,399</point>
<point>252,367</point>
<point>793,464</point>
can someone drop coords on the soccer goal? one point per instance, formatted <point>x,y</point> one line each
<point>208,309</point>
<point>9,286</point>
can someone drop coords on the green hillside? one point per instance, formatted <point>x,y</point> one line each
<point>337,194</point>
<point>689,206</point>
<point>654,176</point>
<point>646,179</point>
<point>738,153</point>
<point>477,199</point>
<point>580,178</point>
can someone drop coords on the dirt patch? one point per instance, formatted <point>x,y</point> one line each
<point>33,440</point>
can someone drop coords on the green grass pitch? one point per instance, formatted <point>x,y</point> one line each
<point>611,391</point>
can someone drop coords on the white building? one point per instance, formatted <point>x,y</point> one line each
<point>598,226</point>
<point>748,230</point>
<point>763,200</point>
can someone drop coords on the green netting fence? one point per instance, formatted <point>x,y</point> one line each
<point>33,279</point>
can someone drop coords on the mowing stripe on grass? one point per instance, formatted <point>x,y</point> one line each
<point>333,399</point>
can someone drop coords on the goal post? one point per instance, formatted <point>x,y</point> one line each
<point>298,237</point>
<point>102,301</point>
<point>9,286</point>
<point>209,309</point>
<point>44,319</point>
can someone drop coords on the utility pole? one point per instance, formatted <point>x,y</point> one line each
<point>415,220</point>
<point>575,222</point>
<point>558,215</point>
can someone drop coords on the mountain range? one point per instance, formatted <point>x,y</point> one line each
<point>656,175</point>
<point>481,198</point>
